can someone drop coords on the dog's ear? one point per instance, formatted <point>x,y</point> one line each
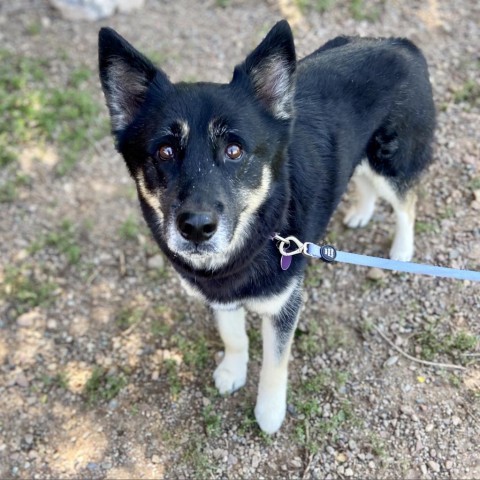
<point>126,76</point>
<point>271,70</point>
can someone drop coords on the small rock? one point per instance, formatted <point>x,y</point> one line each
<point>476,194</point>
<point>28,439</point>
<point>456,421</point>
<point>296,462</point>
<point>429,427</point>
<point>27,319</point>
<point>448,465</point>
<point>434,466</point>
<point>255,461</point>
<point>341,457</point>
<point>349,472</point>
<point>21,380</point>
<point>375,274</point>
<point>156,262</point>
<point>232,459</point>
<point>392,361</point>
<point>52,324</point>
<point>156,458</point>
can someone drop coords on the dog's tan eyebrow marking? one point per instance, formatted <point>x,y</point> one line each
<point>178,129</point>
<point>217,128</point>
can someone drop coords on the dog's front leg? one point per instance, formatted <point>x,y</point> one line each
<point>231,374</point>
<point>277,332</point>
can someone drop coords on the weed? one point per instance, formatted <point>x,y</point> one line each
<point>56,381</point>
<point>9,190</point>
<point>222,3</point>
<point>103,386</point>
<point>63,239</point>
<point>318,5</point>
<point>129,229</point>
<point>432,343</point>
<point>195,352</point>
<point>469,92</point>
<point>212,421</point>
<point>26,292</point>
<point>475,183</point>
<point>359,11</point>
<point>174,383</point>
<point>31,110</point>
<point>127,317</point>
<point>425,227</point>
<point>198,459</point>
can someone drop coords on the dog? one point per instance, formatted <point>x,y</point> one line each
<point>220,168</point>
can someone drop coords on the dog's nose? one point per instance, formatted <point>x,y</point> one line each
<point>197,226</point>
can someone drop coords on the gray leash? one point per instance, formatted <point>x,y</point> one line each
<point>330,254</point>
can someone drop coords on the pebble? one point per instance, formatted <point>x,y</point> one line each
<point>429,427</point>
<point>156,458</point>
<point>349,472</point>
<point>456,421</point>
<point>156,262</point>
<point>375,274</point>
<point>391,361</point>
<point>27,319</point>
<point>448,465</point>
<point>21,380</point>
<point>434,466</point>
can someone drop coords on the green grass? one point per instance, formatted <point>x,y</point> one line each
<point>212,421</point>
<point>9,189</point>
<point>34,112</point>
<point>126,317</point>
<point>434,343</point>
<point>469,93</point>
<point>24,291</point>
<point>317,5</point>
<point>129,229</point>
<point>58,380</point>
<point>174,383</point>
<point>64,239</point>
<point>102,386</point>
<point>359,11</point>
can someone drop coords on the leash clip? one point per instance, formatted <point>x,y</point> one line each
<point>284,243</point>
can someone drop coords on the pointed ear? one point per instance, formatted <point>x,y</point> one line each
<point>271,70</point>
<point>125,75</point>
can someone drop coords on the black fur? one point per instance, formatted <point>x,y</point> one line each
<point>354,97</point>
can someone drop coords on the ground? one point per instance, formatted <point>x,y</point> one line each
<point>106,366</point>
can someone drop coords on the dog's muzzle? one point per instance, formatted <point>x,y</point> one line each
<point>197,227</point>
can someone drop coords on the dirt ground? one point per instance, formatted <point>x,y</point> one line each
<point>105,364</point>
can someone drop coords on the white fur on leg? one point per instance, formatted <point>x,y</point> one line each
<point>272,391</point>
<point>403,242</point>
<point>231,374</point>
<point>362,210</point>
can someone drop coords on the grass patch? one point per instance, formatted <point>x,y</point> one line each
<point>127,317</point>
<point>9,189</point>
<point>212,421</point>
<point>432,343</point>
<point>173,378</point>
<point>64,239</point>
<point>32,111</point>
<point>129,229</point>
<point>359,11</point>
<point>102,386</point>
<point>425,227</point>
<point>469,93</point>
<point>51,382</point>
<point>24,291</point>
<point>317,5</point>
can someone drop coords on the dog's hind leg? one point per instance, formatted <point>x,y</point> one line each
<point>361,211</point>
<point>231,373</point>
<point>280,317</point>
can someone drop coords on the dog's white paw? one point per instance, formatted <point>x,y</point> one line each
<point>402,253</point>
<point>358,217</point>
<point>270,414</point>
<point>231,374</point>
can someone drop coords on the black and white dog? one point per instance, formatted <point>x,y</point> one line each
<point>220,167</point>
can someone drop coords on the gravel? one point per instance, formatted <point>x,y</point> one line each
<point>121,311</point>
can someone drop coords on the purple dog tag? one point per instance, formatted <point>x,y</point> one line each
<point>285,262</point>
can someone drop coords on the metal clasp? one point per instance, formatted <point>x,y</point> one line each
<point>285,243</point>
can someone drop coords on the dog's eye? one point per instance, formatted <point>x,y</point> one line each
<point>166,152</point>
<point>234,151</point>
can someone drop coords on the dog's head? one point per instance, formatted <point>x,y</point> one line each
<point>205,157</point>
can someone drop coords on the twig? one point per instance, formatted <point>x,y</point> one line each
<point>470,354</point>
<point>414,359</point>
